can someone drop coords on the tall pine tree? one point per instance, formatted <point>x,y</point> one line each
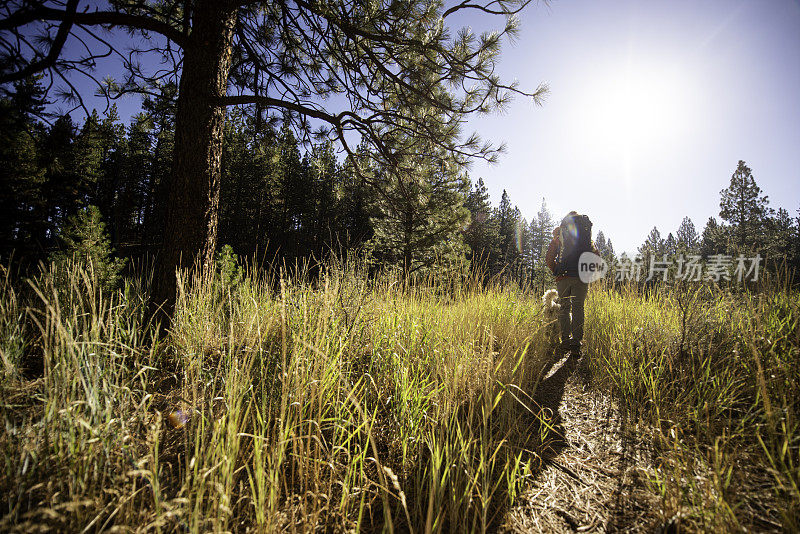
<point>745,209</point>
<point>422,213</point>
<point>687,240</point>
<point>714,239</point>
<point>653,245</point>
<point>23,219</point>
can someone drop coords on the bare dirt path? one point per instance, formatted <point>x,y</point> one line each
<point>595,471</point>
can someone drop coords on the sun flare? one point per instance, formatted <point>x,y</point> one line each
<point>637,109</point>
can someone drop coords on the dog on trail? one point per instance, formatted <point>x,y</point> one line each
<point>551,307</point>
<point>550,301</point>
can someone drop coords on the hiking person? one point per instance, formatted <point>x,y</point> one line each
<point>571,238</point>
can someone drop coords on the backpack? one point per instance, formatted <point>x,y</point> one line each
<point>575,234</point>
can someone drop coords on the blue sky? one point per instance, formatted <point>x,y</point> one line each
<point>651,106</point>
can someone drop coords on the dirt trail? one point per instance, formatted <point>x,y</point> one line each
<point>595,472</point>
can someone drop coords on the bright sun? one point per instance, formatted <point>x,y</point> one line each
<point>635,110</point>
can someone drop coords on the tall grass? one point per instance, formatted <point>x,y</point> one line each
<point>340,403</point>
<point>12,328</point>
<point>715,374</point>
<point>348,402</point>
<point>73,437</point>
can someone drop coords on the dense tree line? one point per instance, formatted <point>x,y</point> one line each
<point>275,201</point>
<point>280,199</point>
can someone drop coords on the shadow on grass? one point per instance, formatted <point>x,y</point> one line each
<point>548,398</point>
<point>533,429</point>
<point>538,429</point>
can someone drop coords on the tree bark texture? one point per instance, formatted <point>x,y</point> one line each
<point>190,231</point>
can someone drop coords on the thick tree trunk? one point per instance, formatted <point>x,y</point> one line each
<point>193,200</point>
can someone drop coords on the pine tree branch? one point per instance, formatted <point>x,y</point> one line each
<point>93,18</point>
<point>487,8</point>
<point>55,49</point>
<point>244,100</point>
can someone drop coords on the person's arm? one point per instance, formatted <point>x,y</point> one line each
<point>550,257</point>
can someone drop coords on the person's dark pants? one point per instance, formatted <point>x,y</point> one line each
<point>571,296</point>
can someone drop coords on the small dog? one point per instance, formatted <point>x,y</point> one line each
<point>549,299</point>
<point>551,307</point>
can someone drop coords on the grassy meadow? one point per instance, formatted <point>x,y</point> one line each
<point>350,402</point>
<point>714,376</point>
